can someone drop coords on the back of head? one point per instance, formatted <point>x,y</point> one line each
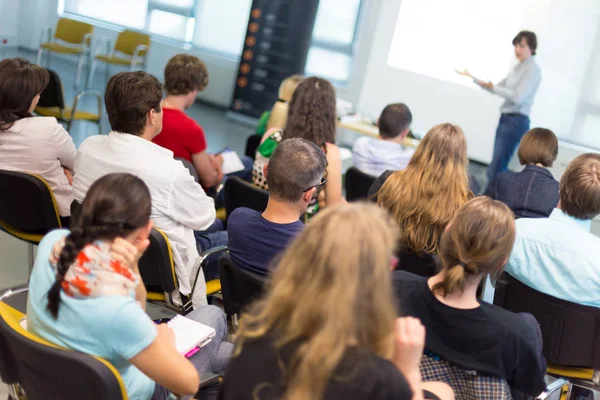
<point>20,82</point>
<point>114,206</point>
<point>331,289</point>
<point>184,74</point>
<point>295,166</point>
<point>279,112</point>
<point>394,119</point>
<point>538,146</point>
<point>579,188</point>
<point>128,98</point>
<point>478,242</point>
<point>424,197</point>
<point>312,112</point>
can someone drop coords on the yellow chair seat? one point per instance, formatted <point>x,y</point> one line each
<point>33,238</point>
<point>66,114</point>
<point>117,60</point>
<point>213,286</point>
<point>568,372</point>
<point>60,48</point>
<point>222,214</point>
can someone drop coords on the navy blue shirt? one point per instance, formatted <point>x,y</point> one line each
<point>531,193</point>
<point>255,241</point>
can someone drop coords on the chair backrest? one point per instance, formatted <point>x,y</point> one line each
<point>128,40</point>
<point>571,332</point>
<point>190,167</point>
<point>467,384</point>
<point>239,193</point>
<point>252,144</point>
<point>357,184</point>
<point>239,287</point>
<point>46,371</point>
<point>27,205</point>
<point>72,31</point>
<point>52,95</point>
<point>157,267</point>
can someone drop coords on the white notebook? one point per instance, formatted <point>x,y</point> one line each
<point>231,162</point>
<point>189,334</point>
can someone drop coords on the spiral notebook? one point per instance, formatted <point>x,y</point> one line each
<point>190,335</point>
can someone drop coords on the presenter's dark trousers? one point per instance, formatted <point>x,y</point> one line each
<point>511,129</point>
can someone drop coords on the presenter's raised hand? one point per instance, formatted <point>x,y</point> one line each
<point>463,72</point>
<point>487,85</point>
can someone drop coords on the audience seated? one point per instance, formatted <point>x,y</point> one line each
<point>86,294</point>
<point>559,255</point>
<point>295,175</point>
<point>533,192</point>
<point>185,76</point>
<point>312,117</point>
<point>375,156</point>
<point>424,197</point>
<point>277,116</point>
<point>179,205</point>
<point>462,331</point>
<point>327,328</point>
<point>36,145</point>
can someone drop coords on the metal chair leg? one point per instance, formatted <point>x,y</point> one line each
<point>30,257</point>
<point>79,69</point>
<point>39,56</point>
<point>92,72</point>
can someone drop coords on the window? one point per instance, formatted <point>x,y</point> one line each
<point>332,47</point>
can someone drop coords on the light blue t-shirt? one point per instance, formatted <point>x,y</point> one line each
<point>558,256</point>
<point>114,328</point>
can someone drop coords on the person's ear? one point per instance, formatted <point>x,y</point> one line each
<point>309,194</point>
<point>145,231</point>
<point>265,169</point>
<point>404,133</point>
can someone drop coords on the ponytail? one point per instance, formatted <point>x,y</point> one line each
<point>455,279</point>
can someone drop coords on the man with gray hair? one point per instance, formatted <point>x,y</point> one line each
<point>295,175</point>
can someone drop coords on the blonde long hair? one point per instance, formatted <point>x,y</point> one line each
<point>424,197</point>
<point>279,112</point>
<point>478,242</point>
<point>331,289</point>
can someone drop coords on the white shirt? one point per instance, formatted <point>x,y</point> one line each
<point>179,204</point>
<point>375,156</point>
<point>41,146</point>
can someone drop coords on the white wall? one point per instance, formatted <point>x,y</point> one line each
<point>37,14</point>
<point>9,22</point>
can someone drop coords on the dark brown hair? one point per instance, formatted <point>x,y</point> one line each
<point>538,146</point>
<point>394,119</point>
<point>312,112</point>
<point>129,97</point>
<point>477,242</point>
<point>115,206</point>
<point>20,82</point>
<point>529,37</point>
<point>580,187</point>
<point>295,165</point>
<point>185,73</point>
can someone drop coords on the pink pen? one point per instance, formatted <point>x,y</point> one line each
<point>192,352</point>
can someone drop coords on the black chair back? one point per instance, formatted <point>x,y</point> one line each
<point>190,167</point>
<point>358,184</point>
<point>571,332</point>
<point>48,372</point>
<point>27,204</point>
<point>52,95</point>
<point>252,144</point>
<point>239,193</point>
<point>239,287</point>
<point>157,267</point>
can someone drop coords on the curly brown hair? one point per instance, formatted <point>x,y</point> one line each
<point>185,73</point>
<point>312,112</point>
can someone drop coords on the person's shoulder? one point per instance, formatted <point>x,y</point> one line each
<point>43,122</point>
<point>242,215</point>
<point>51,238</point>
<point>514,326</point>
<point>92,141</point>
<point>361,143</point>
<point>385,380</point>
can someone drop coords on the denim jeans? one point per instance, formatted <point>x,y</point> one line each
<point>511,129</point>
<point>213,357</point>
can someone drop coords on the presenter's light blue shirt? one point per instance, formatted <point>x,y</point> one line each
<point>114,328</point>
<point>558,256</point>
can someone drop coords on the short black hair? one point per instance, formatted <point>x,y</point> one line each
<point>529,37</point>
<point>394,119</point>
<point>295,165</point>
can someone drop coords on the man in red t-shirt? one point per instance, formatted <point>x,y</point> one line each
<point>185,76</point>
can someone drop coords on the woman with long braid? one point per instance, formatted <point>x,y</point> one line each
<point>86,294</point>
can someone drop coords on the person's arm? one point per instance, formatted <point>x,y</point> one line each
<point>188,204</point>
<point>527,83</point>
<point>62,142</point>
<point>209,175</point>
<point>173,371</point>
<point>269,133</point>
<point>410,342</point>
<point>333,187</point>
<point>129,255</point>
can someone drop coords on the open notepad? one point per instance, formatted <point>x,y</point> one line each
<point>189,334</point>
<point>231,162</point>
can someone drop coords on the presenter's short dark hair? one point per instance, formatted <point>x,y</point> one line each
<point>529,37</point>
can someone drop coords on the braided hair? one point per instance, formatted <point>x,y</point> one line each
<point>115,206</point>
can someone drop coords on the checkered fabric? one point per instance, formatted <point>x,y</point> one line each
<point>467,385</point>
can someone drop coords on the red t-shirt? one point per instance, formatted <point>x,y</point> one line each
<point>180,134</point>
